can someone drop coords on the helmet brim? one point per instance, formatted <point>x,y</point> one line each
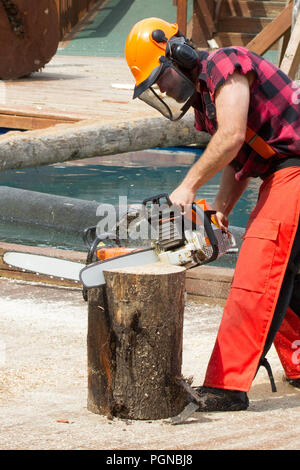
<point>143,86</point>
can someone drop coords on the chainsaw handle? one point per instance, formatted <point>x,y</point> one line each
<point>156,199</point>
<point>205,216</point>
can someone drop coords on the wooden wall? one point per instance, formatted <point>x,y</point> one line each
<point>71,12</point>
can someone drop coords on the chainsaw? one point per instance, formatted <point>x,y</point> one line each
<point>173,237</point>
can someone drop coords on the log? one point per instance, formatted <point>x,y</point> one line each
<point>48,211</point>
<point>86,139</point>
<point>134,343</point>
<point>29,36</point>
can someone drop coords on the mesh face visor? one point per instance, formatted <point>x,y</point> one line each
<point>170,92</point>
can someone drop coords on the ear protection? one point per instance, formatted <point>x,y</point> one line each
<point>178,49</point>
<point>181,51</point>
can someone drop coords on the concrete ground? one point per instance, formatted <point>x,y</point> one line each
<point>43,385</point>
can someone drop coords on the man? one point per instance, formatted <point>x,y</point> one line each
<point>252,111</point>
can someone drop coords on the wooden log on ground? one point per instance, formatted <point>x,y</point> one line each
<point>134,343</point>
<point>29,36</point>
<point>93,139</point>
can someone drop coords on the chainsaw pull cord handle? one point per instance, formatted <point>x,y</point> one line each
<point>205,216</point>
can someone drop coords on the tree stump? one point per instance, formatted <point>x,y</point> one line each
<point>29,36</point>
<point>135,326</point>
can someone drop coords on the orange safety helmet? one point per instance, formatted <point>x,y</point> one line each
<point>156,52</point>
<point>142,51</point>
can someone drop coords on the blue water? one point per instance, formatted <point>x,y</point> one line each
<point>105,184</point>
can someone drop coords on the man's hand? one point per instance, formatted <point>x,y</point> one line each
<point>229,193</point>
<point>182,196</point>
<point>222,220</point>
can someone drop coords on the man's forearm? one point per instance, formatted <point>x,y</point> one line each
<point>232,107</point>
<point>220,151</point>
<point>229,192</point>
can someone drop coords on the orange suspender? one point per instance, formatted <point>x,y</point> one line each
<point>258,144</point>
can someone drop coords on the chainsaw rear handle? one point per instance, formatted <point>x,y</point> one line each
<point>205,216</point>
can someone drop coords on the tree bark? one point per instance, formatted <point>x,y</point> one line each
<point>135,343</point>
<point>93,139</point>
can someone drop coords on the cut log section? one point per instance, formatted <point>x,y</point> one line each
<point>29,36</point>
<point>135,329</point>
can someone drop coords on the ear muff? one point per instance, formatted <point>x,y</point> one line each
<point>182,52</point>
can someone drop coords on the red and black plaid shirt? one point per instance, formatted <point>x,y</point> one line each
<point>274,110</point>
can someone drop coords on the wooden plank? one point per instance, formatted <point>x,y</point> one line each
<point>283,45</point>
<point>72,11</point>
<point>271,33</point>
<point>219,4</point>
<point>182,15</point>
<point>203,22</point>
<point>82,24</point>
<point>237,39</point>
<point>70,89</point>
<point>291,60</point>
<point>296,12</point>
<point>283,42</point>
<point>252,9</point>
<point>233,39</point>
<point>236,24</point>
<point>31,122</point>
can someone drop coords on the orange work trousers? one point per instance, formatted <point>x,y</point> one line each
<point>258,278</point>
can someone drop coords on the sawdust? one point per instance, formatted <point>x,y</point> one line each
<point>43,385</point>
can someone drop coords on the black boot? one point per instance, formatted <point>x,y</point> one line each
<point>294,382</point>
<point>218,399</point>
